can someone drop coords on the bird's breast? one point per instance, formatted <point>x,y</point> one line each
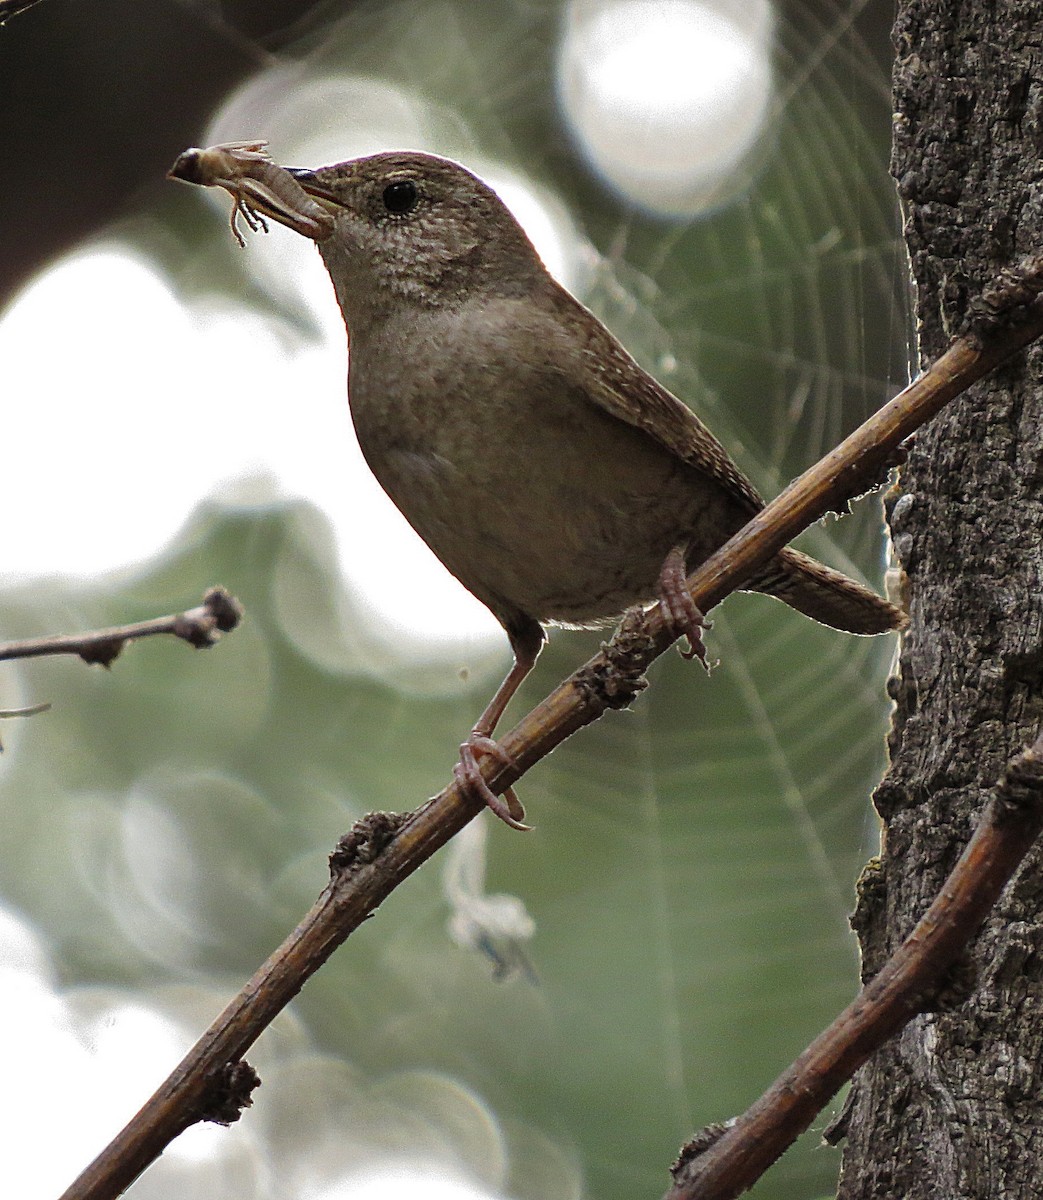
<point>538,500</point>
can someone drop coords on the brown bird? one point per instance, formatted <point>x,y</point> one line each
<point>550,473</point>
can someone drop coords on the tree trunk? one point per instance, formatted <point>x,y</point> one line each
<point>953,1107</point>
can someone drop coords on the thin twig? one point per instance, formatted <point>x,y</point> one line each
<point>382,851</point>
<point>14,8</point>
<point>201,626</point>
<point>30,710</point>
<point>726,1160</point>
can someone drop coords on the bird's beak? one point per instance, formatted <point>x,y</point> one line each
<point>294,197</point>
<point>306,178</point>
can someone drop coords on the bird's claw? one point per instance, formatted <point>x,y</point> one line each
<point>507,807</point>
<point>680,613</point>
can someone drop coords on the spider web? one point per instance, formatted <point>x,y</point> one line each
<point>695,858</point>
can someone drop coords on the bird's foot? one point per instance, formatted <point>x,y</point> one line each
<point>680,613</point>
<point>507,807</point>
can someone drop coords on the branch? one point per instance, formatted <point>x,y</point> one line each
<point>721,1162</point>
<point>383,850</point>
<point>13,8</point>
<point>201,627</point>
<point>30,710</point>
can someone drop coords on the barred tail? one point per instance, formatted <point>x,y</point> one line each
<point>826,595</point>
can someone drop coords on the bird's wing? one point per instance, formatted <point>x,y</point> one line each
<point>613,380</point>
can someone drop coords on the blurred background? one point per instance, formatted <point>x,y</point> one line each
<point>545,1016</point>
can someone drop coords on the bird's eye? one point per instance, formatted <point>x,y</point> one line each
<point>401,197</point>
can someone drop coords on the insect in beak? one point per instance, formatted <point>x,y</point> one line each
<point>260,188</point>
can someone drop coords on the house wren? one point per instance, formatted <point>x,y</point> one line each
<point>552,475</point>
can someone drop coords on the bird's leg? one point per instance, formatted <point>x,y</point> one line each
<point>679,611</point>
<point>526,642</point>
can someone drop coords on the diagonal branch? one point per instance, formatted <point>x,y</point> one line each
<point>383,850</point>
<point>610,678</point>
<point>201,626</point>
<point>722,1161</point>
<point>13,8</point>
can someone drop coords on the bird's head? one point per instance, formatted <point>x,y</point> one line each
<point>414,229</point>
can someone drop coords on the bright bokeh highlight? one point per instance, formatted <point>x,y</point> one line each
<point>667,98</point>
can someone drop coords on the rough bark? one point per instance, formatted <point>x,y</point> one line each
<point>954,1107</point>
